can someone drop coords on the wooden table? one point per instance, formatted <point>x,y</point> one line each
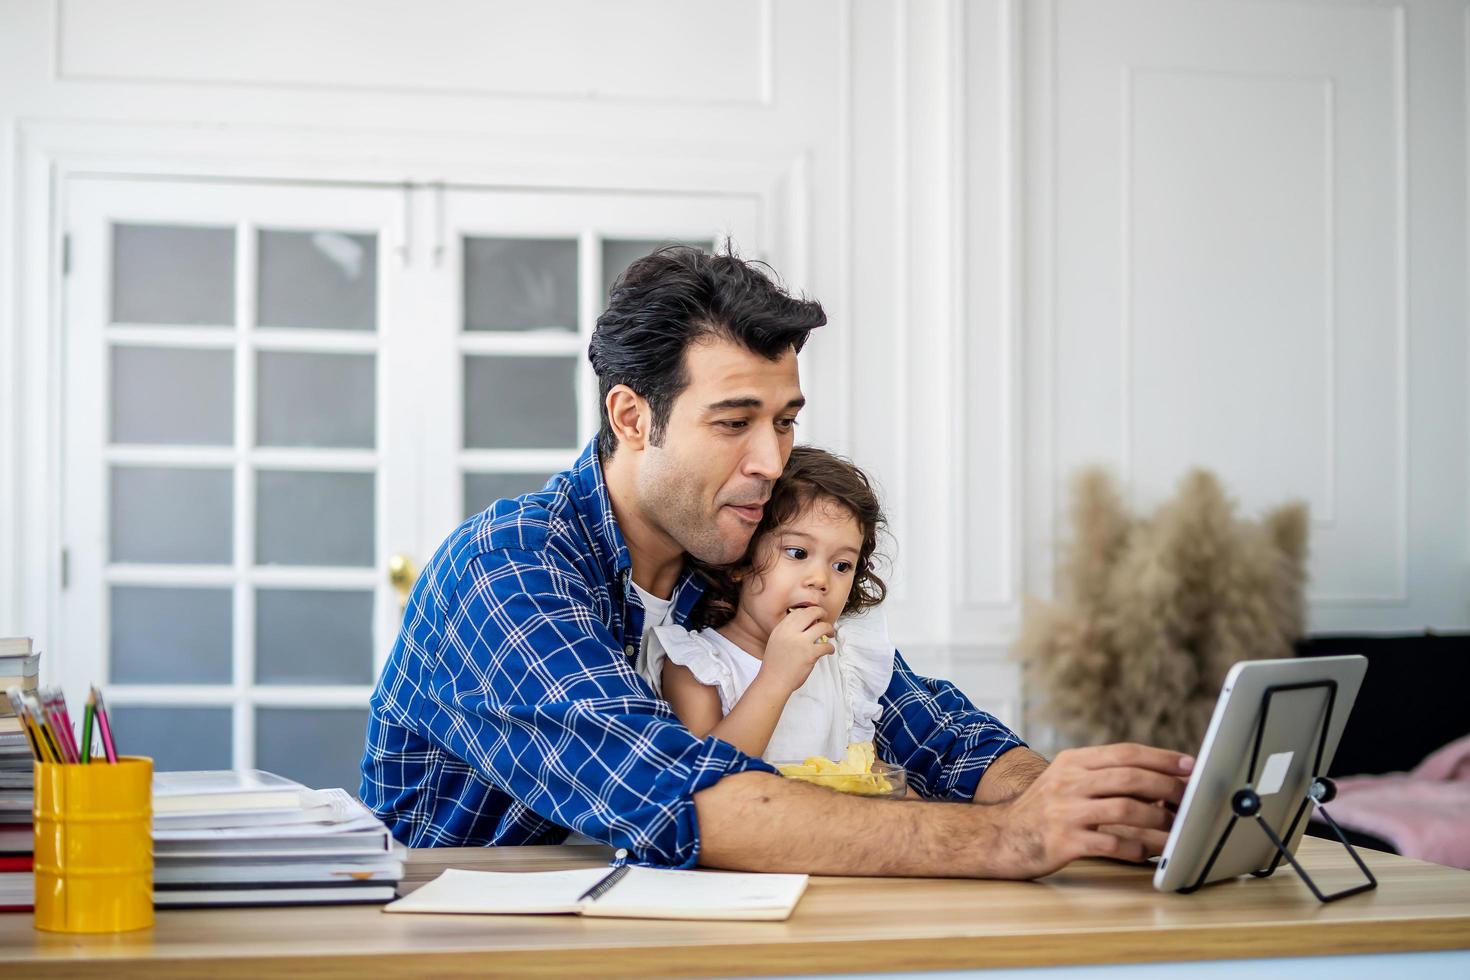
<point>1092,912</point>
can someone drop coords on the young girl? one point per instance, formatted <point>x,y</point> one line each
<point>786,667</point>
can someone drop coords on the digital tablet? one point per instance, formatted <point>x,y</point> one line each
<point>1286,760</point>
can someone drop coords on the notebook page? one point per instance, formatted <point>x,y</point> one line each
<point>660,893</point>
<point>499,892</point>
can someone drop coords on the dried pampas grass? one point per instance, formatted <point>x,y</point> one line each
<point>1153,612</point>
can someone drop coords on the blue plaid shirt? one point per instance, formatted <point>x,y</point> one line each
<point>510,710</point>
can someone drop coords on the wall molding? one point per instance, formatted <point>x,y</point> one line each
<point>764,94</point>
<point>972,598</point>
<point>12,374</point>
<point>37,452</point>
<point>898,495</point>
<point>1400,596</point>
<point>1039,101</point>
<point>842,389</point>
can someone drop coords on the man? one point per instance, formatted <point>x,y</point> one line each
<point>510,709</point>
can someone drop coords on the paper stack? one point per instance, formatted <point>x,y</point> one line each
<point>19,667</point>
<point>248,837</point>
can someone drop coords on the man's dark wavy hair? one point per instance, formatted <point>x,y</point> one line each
<point>811,475</point>
<point>674,296</point>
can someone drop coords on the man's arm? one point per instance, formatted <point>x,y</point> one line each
<point>761,822</point>
<point>947,744</point>
<point>1009,775</point>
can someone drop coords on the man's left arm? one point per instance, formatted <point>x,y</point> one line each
<point>1009,775</point>
<point>949,746</point>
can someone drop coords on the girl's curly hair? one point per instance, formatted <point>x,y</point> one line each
<point>811,474</point>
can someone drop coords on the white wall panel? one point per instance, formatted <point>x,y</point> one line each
<point>1222,277</point>
<point>688,51</point>
<point>1227,326</point>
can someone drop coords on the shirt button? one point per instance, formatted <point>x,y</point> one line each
<point>629,650</point>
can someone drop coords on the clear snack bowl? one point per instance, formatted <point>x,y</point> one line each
<point>885,780</point>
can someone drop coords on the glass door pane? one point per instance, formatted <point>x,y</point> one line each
<point>523,284</point>
<point>320,279</point>
<point>619,253</point>
<point>176,273</point>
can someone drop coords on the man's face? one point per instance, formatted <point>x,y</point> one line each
<point>729,435</point>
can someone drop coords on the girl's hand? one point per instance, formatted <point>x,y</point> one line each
<point>795,646</point>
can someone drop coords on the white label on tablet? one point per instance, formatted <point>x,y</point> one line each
<point>1274,774</point>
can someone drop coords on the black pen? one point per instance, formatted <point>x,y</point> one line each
<point>620,868</point>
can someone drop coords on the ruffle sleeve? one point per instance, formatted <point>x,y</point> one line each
<point>705,661</point>
<point>865,659</point>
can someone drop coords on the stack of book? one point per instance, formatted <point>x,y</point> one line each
<point>248,837</point>
<point>18,669</point>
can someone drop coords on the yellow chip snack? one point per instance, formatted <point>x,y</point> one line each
<point>854,774</point>
<point>860,757</point>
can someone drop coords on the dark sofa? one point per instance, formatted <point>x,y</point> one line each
<point>1415,698</point>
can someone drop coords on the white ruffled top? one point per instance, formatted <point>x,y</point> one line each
<point>836,706</point>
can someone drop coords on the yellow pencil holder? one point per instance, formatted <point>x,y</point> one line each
<point>94,845</point>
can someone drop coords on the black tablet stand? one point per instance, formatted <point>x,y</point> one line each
<point>1246,804</point>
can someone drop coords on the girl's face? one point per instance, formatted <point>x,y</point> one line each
<point>808,561</point>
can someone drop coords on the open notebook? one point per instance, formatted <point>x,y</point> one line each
<point>641,893</point>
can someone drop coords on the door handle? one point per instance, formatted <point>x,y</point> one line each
<point>401,575</point>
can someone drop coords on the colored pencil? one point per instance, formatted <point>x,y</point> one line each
<point>87,714</point>
<point>53,702</point>
<point>71,733</point>
<point>18,705</point>
<point>104,725</point>
<point>48,740</point>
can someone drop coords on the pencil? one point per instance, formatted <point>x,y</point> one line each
<point>48,740</point>
<point>18,705</point>
<point>87,713</point>
<point>104,725</point>
<point>53,703</point>
<point>59,703</point>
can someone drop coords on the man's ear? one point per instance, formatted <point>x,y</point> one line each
<point>630,417</point>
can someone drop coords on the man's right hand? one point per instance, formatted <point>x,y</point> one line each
<point>1057,818</point>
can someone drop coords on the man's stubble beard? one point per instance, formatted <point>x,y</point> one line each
<point>671,500</point>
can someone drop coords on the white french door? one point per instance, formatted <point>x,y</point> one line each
<point>273,393</point>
